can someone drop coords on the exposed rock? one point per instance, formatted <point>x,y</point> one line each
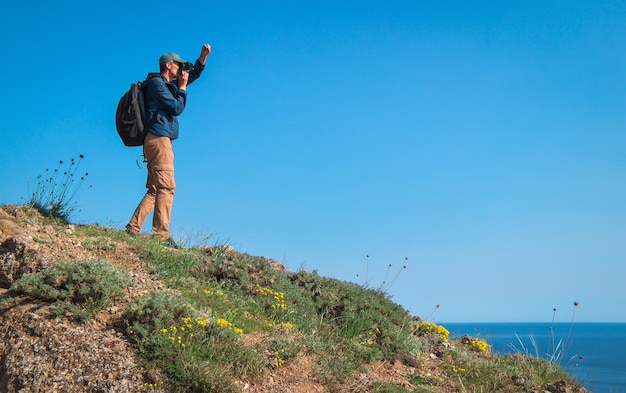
<point>18,257</point>
<point>276,265</point>
<point>558,387</point>
<point>562,387</point>
<point>29,246</point>
<point>7,227</point>
<point>520,380</point>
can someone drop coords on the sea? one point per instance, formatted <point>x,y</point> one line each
<point>594,354</point>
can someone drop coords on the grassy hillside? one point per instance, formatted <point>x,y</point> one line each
<point>211,319</point>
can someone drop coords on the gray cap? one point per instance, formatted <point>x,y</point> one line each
<point>171,56</point>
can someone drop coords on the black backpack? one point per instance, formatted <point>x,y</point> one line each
<point>130,117</point>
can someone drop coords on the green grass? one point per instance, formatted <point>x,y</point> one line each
<point>199,331</point>
<point>343,325</point>
<point>358,325</point>
<point>198,352</point>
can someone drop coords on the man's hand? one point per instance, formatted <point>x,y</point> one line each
<point>204,52</point>
<point>183,78</point>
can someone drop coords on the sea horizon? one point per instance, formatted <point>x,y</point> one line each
<point>591,352</point>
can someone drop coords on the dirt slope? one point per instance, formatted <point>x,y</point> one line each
<point>42,352</point>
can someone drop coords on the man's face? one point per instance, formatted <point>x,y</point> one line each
<point>175,68</point>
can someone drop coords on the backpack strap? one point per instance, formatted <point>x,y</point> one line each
<point>149,77</point>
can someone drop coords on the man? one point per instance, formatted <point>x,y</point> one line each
<point>165,96</point>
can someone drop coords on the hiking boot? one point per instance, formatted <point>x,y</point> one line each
<point>131,232</point>
<point>169,243</point>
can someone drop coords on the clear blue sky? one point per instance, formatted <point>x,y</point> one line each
<point>485,141</point>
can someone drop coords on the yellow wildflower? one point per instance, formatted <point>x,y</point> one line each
<point>478,344</point>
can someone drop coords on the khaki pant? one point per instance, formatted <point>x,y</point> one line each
<point>160,184</point>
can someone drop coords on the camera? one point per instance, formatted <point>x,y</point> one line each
<point>186,66</point>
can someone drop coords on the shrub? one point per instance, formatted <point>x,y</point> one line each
<point>357,324</point>
<point>153,311</point>
<point>81,287</point>
<point>241,270</point>
<point>199,353</point>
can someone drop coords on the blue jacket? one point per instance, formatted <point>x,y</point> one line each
<point>164,102</point>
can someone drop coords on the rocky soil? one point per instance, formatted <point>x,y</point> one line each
<point>41,352</point>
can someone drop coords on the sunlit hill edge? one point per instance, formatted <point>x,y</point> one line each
<point>93,308</point>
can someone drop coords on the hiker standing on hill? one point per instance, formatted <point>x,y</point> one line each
<point>165,97</point>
